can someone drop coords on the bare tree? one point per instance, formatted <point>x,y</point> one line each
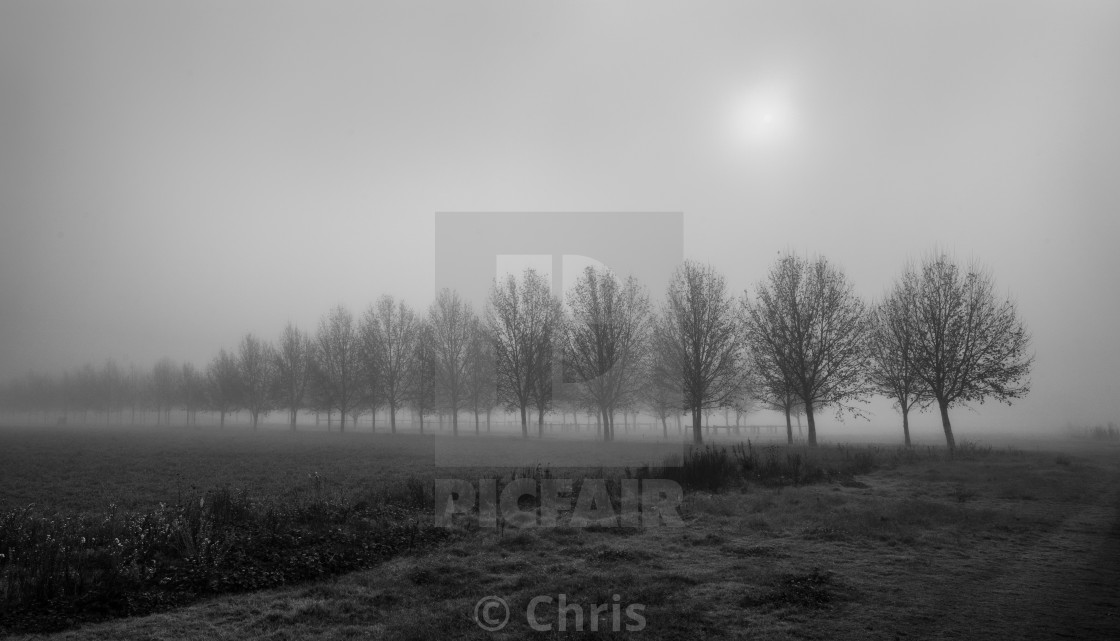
<point>339,362</point>
<point>293,369</point>
<point>748,398</point>
<point>547,372</point>
<point>82,390</point>
<point>223,382</point>
<point>164,388</point>
<point>452,323</point>
<point>423,390</point>
<point>968,345</point>
<point>371,353</point>
<point>320,394</point>
<point>893,372</point>
<point>775,386</point>
<point>698,338</point>
<point>256,363</point>
<point>397,331</point>
<point>606,341</point>
<point>111,381</point>
<point>661,390</point>
<point>191,386</point>
<point>134,384</point>
<point>522,316</point>
<point>480,382</point>
<point>809,324</point>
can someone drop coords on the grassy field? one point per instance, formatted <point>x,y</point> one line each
<point>79,469</point>
<point>998,543</point>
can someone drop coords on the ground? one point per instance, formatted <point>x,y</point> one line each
<point>1002,544</point>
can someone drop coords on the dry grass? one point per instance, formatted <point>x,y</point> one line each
<point>998,544</point>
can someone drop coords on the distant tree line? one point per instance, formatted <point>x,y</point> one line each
<point>800,342</point>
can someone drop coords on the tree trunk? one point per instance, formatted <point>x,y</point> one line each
<point>906,424</point>
<point>222,419</point>
<point>789,428</point>
<point>697,417</point>
<point>488,410</point>
<point>812,424</point>
<point>393,418</point>
<point>664,428</point>
<point>476,421</point>
<point>455,421</point>
<point>524,423</point>
<point>952,444</point>
<point>540,423</point>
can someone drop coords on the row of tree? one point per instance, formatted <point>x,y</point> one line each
<point>800,342</point>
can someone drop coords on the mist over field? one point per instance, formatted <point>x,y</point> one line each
<point>175,177</point>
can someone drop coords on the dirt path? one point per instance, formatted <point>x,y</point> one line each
<point>1066,585</point>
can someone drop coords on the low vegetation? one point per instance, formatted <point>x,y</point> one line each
<point>59,571</point>
<point>837,541</point>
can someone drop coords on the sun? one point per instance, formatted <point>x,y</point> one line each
<point>763,115</point>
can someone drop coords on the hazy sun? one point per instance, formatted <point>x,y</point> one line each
<point>763,115</point>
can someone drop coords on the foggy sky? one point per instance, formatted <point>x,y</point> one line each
<point>175,174</point>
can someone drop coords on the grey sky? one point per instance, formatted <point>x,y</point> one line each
<point>175,174</point>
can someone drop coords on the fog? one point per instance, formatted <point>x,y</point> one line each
<point>174,175</point>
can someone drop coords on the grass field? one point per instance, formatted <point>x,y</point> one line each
<point>998,543</point>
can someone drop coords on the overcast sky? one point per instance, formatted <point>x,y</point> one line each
<point>175,174</point>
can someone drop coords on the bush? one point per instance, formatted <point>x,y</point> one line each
<point>710,469</point>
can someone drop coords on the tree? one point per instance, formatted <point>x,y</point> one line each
<point>294,354</point>
<point>164,388</point>
<point>423,390</point>
<point>320,395</point>
<point>698,338</point>
<point>890,344</point>
<point>661,390</point>
<point>546,309</point>
<point>606,341</point>
<point>223,382</point>
<point>480,383</point>
<point>397,332</point>
<point>371,354</point>
<point>521,317</point>
<point>257,366</point>
<point>451,322</point>
<point>339,362</point>
<point>809,324</point>
<point>111,382</point>
<point>968,345</point>
<point>191,386</point>
<point>775,385</point>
